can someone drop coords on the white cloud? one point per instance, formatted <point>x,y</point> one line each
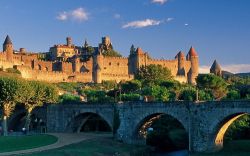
<point>63,16</point>
<point>78,14</point>
<point>117,16</point>
<point>159,1</point>
<point>186,24</point>
<point>233,68</point>
<point>237,68</point>
<point>142,23</point>
<point>169,19</point>
<point>204,69</point>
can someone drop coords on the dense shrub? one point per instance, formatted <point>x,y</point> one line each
<point>69,98</point>
<point>130,97</point>
<point>13,70</point>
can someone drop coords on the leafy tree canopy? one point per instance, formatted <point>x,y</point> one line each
<point>159,93</point>
<point>111,53</point>
<point>131,86</point>
<point>216,84</point>
<point>153,74</point>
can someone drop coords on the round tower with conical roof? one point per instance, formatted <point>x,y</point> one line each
<point>216,69</point>
<point>192,56</point>
<point>97,67</point>
<point>8,48</point>
<point>181,63</point>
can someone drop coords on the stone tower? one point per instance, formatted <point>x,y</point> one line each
<point>137,59</point>
<point>69,41</point>
<point>8,48</point>
<point>181,64</point>
<point>194,70</point>
<point>216,69</point>
<point>106,43</point>
<point>97,67</point>
<point>76,64</point>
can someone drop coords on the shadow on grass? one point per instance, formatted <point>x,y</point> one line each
<point>15,143</point>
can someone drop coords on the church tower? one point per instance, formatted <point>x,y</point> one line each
<point>8,48</point>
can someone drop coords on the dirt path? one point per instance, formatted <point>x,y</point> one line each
<point>63,140</point>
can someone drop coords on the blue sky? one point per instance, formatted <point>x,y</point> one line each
<point>218,29</point>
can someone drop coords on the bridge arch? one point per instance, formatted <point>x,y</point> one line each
<point>220,127</point>
<point>148,117</point>
<point>17,120</point>
<point>78,121</point>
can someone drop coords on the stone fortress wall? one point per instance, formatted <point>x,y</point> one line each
<point>70,68</point>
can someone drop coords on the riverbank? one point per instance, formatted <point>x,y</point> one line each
<point>16,143</point>
<point>231,148</point>
<point>104,146</point>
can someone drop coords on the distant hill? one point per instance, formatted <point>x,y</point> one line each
<point>243,74</point>
<point>226,73</point>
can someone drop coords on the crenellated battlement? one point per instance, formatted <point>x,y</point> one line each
<point>116,58</point>
<point>67,63</point>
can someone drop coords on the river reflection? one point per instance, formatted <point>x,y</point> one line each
<point>175,153</point>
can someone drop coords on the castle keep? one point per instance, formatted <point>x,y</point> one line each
<point>70,63</point>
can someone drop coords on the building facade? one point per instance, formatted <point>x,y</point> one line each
<point>70,63</point>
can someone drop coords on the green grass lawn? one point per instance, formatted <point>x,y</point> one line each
<point>232,148</point>
<point>94,147</point>
<point>15,143</point>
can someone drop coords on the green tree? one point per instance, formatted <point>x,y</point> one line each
<point>97,96</point>
<point>111,53</point>
<point>188,94</point>
<point>108,85</point>
<point>69,98</point>
<point>130,97</point>
<point>153,74</point>
<point>159,93</point>
<point>233,95</point>
<point>35,94</point>
<point>9,93</point>
<point>239,129</point>
<point>174,87</point>
<point>131,86</point>
<point>217,85</point>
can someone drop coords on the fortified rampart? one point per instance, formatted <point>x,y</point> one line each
<point>61,65</point>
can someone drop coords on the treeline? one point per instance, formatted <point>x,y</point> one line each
<point>156,84</point>
<point>30,94</point>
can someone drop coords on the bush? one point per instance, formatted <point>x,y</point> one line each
<point>158,92</point>
<point>188,94</point>
<point>13,70</point>
<point>130,97</point>
<point>69,87</point>
<point>97,96</point>
<point>233,95</point>
<point>69,98</point>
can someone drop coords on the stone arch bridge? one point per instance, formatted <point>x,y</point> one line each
<point>205,122</point>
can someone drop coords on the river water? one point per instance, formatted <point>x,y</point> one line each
<point>175,153</point>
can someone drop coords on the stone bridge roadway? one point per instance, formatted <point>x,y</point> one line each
<point>205,122</point>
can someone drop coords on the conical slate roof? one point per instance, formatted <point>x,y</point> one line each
<point>7,40</point>
<point>139,51</point>
<point>215,66</point>
<point>192,52</point>
<point>180,54</point>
